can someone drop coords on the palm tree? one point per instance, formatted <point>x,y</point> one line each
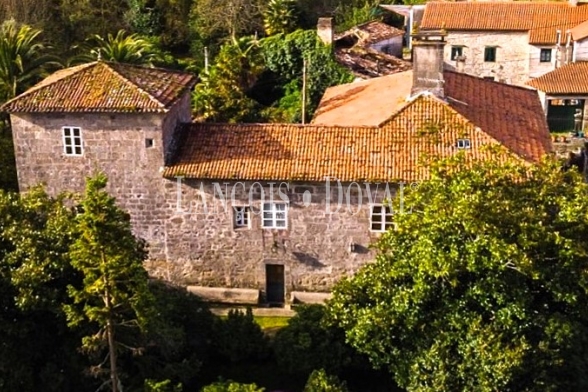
<point>120,48</point>
<point>280,17</point>
<point>23,59</point>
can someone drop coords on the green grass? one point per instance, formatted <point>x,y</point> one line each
<point>266,322</point>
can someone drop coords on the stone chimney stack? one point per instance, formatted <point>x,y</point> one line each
<point>427,63</point>
<point>324,30</point>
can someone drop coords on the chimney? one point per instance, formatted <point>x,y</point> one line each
<point>324,29</point>
<point>427,62</point>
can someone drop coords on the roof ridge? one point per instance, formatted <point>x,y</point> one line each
<point>141,90</point>
<point>40,85</point>
<point>269,125</point>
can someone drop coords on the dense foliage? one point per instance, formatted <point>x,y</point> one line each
<point>308,344</point>
<point>483,286</point>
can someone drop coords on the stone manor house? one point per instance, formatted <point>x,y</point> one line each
<point>248,205</point>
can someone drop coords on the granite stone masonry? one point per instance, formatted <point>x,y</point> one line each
<point>327,234</point>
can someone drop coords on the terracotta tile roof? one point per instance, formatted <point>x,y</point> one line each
<point>369,102</point>
<point>568,79</point>
<point>512,115</point>
<point>371,32</point>
<point>425,127</point>
<point>367,63</point>
<point>541,19</point>
<point>580,31</point>
<point>104,87</point>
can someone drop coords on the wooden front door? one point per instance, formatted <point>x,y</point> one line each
<point>274,278</point>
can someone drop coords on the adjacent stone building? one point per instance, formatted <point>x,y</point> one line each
<point>249,206</point>
<point>564,95</point>
<point>506,41</point>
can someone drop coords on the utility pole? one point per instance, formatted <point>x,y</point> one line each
<point>206,60</point>
<point>303,91</point>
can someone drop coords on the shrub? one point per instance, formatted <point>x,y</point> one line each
<point>230,386</point>
<point>307,344</point>
<point>239,338</point>
<point>320,381</point>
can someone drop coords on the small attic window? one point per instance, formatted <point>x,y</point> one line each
<point>464,144</point>
<point>149,143</point>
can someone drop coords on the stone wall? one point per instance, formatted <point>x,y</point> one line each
<point>512,54</point>
<point>205,249</point>
<point>115,144</point>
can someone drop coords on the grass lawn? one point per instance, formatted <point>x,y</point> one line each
<point>266,322</point>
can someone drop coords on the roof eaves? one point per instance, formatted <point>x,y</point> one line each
<point>40,86</point>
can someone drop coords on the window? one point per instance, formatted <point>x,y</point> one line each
<point>490,54</point>
<point>489,78</point>
<point>241,216</point>
<point>275,215</point>
<point>72,141</point>
<point>456,51</point>
<point>545,56</point>
<point>149,143</point>
<point>463,144</point>
<point>381,218</point>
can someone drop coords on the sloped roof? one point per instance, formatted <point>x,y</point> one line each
<point>541,19</point>
<point>368,63</point>
<point>580,31</point>
<point>425,127</point>
<point>571,78</point>
<point>510,114</point>
<point>104,87</point>
<point>371,32</point>
<point>366,103</point>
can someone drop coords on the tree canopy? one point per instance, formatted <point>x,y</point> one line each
<point>483,286</point>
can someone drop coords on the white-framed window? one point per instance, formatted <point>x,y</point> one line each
<point>381,217</point>
<point>274,215</point>
<point>241,217</point>
<point>464,144</point>
<point>72,141</point>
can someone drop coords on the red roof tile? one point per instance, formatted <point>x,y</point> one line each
<point>568,79</point>
<point>510,114</point>
<point>541,19</point>
<point>104,87</point>
<point>425,127</point>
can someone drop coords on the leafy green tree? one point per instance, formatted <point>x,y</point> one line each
<point>179,342</point>
<point>320,381</point>
<point>24,59</point>
<point>37,350</point>
<point>285,55</point>
<point>82,19</point>
<point>280,16</point>
<point>238,338</point>
<point>230,386</point>
<point>350,15</point>
<point>120,48</point>
<point>114,294</point>
<point>307,343</point>
<point>212,19</point>
<point>221,96</point>
<point>482,286</point>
